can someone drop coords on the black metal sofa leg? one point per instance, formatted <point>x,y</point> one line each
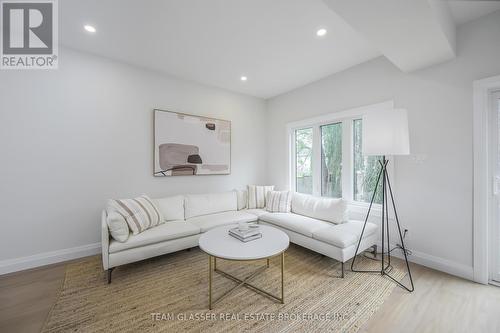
<point>110,271</point>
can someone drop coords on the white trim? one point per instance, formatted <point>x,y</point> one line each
<point>481,133</point>
<point>442,264</point>
<point>494,283</point>
<point>359,207</point>
<point>316,157</point>
<point>47,258</point>
<point>493,195</point>
<point>437,263</point>
<point>347,163</point>
<point>291,156</point>
<point>338,116</point>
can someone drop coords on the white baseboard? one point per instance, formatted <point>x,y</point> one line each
<point>47,258</point>
<point>437,263</point>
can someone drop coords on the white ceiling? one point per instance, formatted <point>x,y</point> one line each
<point>465,11</point>
<point>272,42</point>
<point>412,34</point>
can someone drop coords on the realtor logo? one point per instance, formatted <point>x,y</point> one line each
<point>29,34</point>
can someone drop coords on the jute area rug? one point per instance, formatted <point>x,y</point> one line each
<point>170,294</point>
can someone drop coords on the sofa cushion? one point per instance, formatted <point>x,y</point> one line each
<point>210,203</point>
<point>117,226</point>
<point>257,195</point>
<point>301,224</point>
<point>172,208</point>
<point>326,209</point>
<point>163,232</point>
<point>345,234</point>
<point>256,211</point>
<point>242,197</point>
<point>279,201</point>
<point>207,222</point>
<point>140,213</point>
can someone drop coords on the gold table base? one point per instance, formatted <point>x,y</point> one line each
<point>245,282</point>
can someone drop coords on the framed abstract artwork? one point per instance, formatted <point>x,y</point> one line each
<point>186,144</point>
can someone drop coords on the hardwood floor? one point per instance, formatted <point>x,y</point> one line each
<point>441,303</point>
<point>27,297</point>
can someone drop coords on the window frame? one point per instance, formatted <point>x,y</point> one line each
<point>345,117</point>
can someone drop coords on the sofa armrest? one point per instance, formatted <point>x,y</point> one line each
<point>104,240</point>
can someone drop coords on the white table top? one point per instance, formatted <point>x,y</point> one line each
<point>218,243</point>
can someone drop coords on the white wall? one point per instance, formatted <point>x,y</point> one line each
<point>73,137</point>
<point>435,197</point>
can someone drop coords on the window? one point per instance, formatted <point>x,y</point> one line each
<point>366,169</point>
<point>327,158</point>
<point>331,160</point>
<point>303,158</point>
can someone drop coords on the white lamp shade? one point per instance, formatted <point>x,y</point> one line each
<point>385,132</point>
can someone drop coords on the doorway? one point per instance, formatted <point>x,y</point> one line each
<point>494,227</point>
<point>486,200</point>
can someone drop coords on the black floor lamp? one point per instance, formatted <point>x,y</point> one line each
<point>385,133</point>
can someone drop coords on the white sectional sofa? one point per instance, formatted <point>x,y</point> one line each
<point>187,217</point>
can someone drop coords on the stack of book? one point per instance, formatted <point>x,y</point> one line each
<point>253,232</point>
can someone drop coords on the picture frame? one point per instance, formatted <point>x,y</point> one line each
<point>190,145</point>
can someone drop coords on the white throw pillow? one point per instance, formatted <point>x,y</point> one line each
<point>118,227</point>
<point>257,196</point>
<point>172,208</point>
<point>242,198</point>
<point>140,213</point>
<point>279,202</point>
<point>326,209</point>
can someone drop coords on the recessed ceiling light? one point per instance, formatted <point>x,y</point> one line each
<point>321,32</point>
<point>89,28</point>
<point>243,78</point>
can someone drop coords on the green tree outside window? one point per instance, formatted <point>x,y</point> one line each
<point>331,160</point>
<point>303,157</point>
<point>366,169</point>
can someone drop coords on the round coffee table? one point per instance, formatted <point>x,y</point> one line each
<point>218,244</point>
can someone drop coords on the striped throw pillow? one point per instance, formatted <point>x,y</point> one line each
<point>279,202</point>
<point>257,196</point>
<point>140,213</point>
